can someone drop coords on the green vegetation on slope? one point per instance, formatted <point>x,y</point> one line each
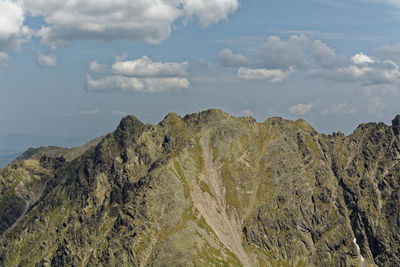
<point>208,189</point>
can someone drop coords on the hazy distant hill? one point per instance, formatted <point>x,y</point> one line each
<point>208,189</point>
<point>12,145</point>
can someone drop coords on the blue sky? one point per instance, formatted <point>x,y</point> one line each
<point>74,68</point>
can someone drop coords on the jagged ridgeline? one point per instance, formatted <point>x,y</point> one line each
<point>208,189</point>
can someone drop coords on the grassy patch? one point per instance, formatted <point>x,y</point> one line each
<point>180,174</point>
<point>8,196</point>
<point>196,153</point>
<point>232,195</point>
<point>205,188</point>
<point>310,143</point>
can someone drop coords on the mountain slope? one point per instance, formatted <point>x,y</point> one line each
<point>13,145</point>
<point>210,189</point>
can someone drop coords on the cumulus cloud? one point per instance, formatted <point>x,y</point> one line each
<point>107,20</point>
<point>209,12</point>
<point>145,67</point>
<point>326,57</point>
<point>279,54</point>
<point>364,70</point>
<point>13,32</point>
<point>96,67</point>
<point>270,75</point>
<point>339,109</point>
<point>361,58</point>
<point>123,83</point>
<point>228,59</point>
<point>277,59</point>
<point>274,61</point>
<point>138,75</point>
<point>302,109</point>
<point>46,60</point>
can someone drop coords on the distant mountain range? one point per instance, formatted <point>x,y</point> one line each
<point>12,145</point>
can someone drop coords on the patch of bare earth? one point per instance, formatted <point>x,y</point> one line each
<point>213,207</point>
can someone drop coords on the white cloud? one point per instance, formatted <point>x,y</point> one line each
<point>145,67</point>
<point>278,54</point>
<point>96,67</point>
<point>209,11</point>
<point>339,109</point>
<point>273,62</point>
<point>277,59</point>
<point>361,58</point>
<point>326,56</point>
<point>364,70</point>
<point>46,60</point>
<point>108,20</point>
<point>138,75</point>
<point>13,33</point>
<point>227,59</point>
<point>270,75</point>
<point>312,34</point>
<point>302,109</point>
<point>90,112</point>
<point>153,85</point>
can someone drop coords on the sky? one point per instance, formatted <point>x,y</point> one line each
<point>76,67</point>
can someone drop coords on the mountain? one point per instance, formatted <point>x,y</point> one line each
<point>12,145</point>
<point>208,189</point>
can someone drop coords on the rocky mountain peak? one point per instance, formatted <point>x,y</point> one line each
<point>208,189</point>
<point>128,130</point>
<point>207,117</point>
<point>171,119</point>
<point>396,125</point>
<point>130,124</point>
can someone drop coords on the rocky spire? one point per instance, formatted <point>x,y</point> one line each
<point>396,125</point>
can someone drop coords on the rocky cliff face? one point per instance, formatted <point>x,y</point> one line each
<point>209,189</point>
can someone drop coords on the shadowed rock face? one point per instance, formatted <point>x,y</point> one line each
<point>208,189</point>
<point>396,125</point>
